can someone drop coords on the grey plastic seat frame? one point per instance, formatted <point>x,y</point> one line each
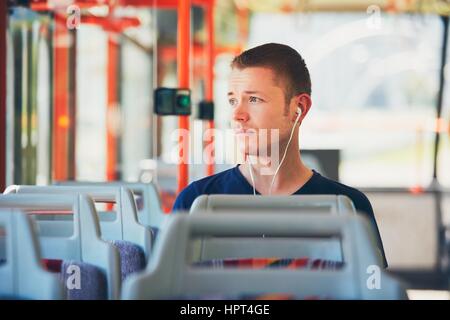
<point>22,275</point>
<point>124,227</point>
<point>170,273</point>
<point>329,249</point>
<point>151,214</point>
<point>84,244</point>
<point>332,204</point>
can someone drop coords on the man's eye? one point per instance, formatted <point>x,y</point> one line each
<point>255,99</point>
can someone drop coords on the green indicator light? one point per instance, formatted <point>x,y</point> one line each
<point>184,101</point>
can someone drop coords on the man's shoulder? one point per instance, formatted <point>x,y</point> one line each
<point>328,186</point>
<point>211,182</point>
<point>361,202</point>
<point>206,185</point>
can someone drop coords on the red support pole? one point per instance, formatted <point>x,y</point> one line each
<point>111,109</point>
<point>210,78</point>
<point>3,25</point>
<point>183,41</point>
<point>61,118</point>
<point>72,105</point>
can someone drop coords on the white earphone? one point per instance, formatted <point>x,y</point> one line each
<point>299,112</point>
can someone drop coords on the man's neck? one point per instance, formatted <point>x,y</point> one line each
<point>292,174</point>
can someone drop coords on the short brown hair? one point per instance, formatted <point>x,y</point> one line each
<point>286,63</point>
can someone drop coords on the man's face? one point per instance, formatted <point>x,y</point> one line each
<point>258,102</point>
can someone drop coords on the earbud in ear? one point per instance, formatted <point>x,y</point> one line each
<point>299,113</point>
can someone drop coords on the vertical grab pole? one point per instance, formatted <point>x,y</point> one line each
<point>442,253</point>
<point>61,119</point>
<point>210,80</point>
<point>440,95</point>
<point>183,41</point>
<point>111,109</point>
<point>3,28</point>
<point>72,105</point>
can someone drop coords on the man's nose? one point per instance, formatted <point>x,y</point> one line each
<point>240,113</point>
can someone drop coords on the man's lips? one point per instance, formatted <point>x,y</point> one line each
<point>244,131</point>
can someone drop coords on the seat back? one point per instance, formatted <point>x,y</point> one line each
<point>171,273</point>
<point>21,274</point>
<point>328,204</point>
<point>83,243</point>
<point>150,214</point>
<point>315,248</point>
<point>124,227</point>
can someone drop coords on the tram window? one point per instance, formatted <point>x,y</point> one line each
<point>443,169</point>
<point>28,102</point>
<point>91,103</point>
<point>43,114</point>
<point>136,99</point>
<point>443,161</point>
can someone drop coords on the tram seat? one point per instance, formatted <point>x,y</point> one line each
<point>172,271</point>
<point>334,204</point>
<point>124,227</point>
<point>92,281</point>
<point>132,258</point>
<point>21,273</point>
<point>409,225</point>
<point>82,243</point>
<point>327,249</point>
<point>148,201</point>
<point>90,278</point>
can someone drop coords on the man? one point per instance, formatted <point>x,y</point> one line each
<point>270,88</point>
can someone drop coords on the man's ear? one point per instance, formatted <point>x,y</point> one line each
<point>304,102</point>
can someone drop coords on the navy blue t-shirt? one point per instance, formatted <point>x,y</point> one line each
<point>232,181</point>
